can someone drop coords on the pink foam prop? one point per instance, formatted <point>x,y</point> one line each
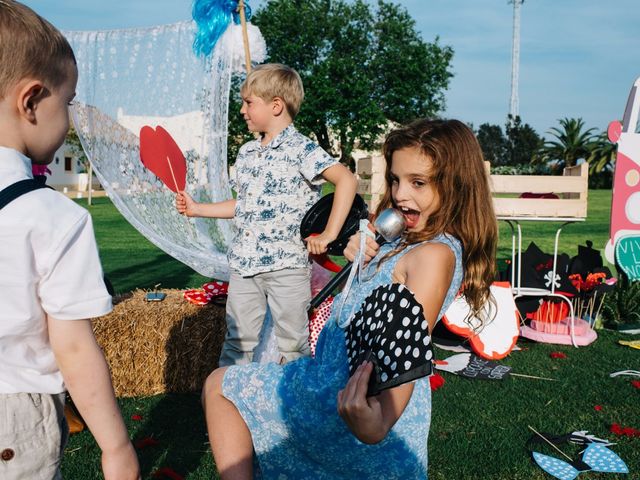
<point>583,333</point>
<point>580,326</point>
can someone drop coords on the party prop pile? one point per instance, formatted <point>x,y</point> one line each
<point>160,347</point>
<point>582,278</point>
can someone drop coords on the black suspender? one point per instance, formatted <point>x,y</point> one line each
<point>17,189</point>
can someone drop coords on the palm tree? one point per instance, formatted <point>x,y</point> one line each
<point>571,143</point>
<point>603,154</point>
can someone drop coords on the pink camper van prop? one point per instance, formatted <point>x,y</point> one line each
<point>623,246</point>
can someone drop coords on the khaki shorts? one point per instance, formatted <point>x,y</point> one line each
<point>33,434</point>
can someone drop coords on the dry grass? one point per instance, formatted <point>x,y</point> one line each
<point>160,347</point>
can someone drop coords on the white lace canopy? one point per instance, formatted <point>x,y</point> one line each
<point>136,77</point>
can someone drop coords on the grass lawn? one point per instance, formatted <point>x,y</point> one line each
<point>479,428</point>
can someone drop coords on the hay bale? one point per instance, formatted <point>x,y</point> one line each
<point>160,347</point>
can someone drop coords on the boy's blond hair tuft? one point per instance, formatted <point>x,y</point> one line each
<point>30,47</point>
<point>272,80</point>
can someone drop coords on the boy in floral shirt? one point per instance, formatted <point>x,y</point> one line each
<point>278,178</point>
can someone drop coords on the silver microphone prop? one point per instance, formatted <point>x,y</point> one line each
<point>389,226</point>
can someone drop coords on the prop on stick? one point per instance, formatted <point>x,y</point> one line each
<point>635,373</point>
<point>471,366</point>
<point>497,335</point>
<point>161,154</point>
<point>596,457</point>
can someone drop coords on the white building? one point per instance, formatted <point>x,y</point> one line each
<point>68,172</point>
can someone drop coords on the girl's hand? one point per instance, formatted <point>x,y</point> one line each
<point>317,244</point>
<point>362,414</point>
<point>370,250</point>
<point>185,204</point>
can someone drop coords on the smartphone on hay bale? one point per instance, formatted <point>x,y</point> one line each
<point>155,296</point>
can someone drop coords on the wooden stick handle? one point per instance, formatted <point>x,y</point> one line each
<point>175,183</point>
<point>245,35</point>
<point>546,440</point>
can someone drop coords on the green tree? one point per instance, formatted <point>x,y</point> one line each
<point>362,67</point>
<point>523,143</point>
<point>73,142</point>
<point>517,147</point>
<point>493,143</point>
<point>237,133</point>
<point>571,143</point>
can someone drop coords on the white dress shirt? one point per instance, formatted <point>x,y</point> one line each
<point>49,265</point>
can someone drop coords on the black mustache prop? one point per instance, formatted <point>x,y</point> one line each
<point>389,226</point>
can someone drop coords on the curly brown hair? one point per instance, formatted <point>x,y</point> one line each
<point>466,208</point>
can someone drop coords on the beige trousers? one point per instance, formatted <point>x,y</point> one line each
<point>287,293</point>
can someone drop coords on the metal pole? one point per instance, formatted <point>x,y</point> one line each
<point>514,106</point>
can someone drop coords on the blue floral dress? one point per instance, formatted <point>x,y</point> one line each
<point>291,410</point>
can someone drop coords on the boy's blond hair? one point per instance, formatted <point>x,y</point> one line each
<point>272,80</point>
<point>30,47</point>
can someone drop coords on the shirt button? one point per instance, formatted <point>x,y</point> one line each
<point>7,454</point>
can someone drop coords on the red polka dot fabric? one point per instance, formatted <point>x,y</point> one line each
<point>317,321</point>
<point>208,292</point>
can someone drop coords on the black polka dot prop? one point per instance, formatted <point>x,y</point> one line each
<point>390,330</point>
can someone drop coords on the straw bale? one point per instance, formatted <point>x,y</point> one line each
<point>160,347</point>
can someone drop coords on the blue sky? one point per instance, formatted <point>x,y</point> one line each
<point>577,59</point>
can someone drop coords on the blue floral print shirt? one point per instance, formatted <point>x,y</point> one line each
<point>276,184</point>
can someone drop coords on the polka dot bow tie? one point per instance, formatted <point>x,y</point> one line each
<point>390,331</point>
<point>595,458</point>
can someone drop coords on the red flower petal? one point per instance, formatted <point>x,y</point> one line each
<point>557,355</point>
<point>626,431</point>
<point>136,417</point>
<point>166,472</point>
<point>436,381</point>
<point>598,408</point>
<point>146,442</point>
<point>635,383</point>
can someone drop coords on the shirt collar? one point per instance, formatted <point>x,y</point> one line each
<point>14,166</point>
<point>276,142</point>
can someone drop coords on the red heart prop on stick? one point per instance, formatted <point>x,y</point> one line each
<point>160,153</point>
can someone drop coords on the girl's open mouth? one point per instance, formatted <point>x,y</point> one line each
<point>411,217</point>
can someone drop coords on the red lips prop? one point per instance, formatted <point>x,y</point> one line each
<point>160,153</point>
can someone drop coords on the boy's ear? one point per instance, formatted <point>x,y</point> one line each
<point>278,106</point>
<point>29,96</point>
